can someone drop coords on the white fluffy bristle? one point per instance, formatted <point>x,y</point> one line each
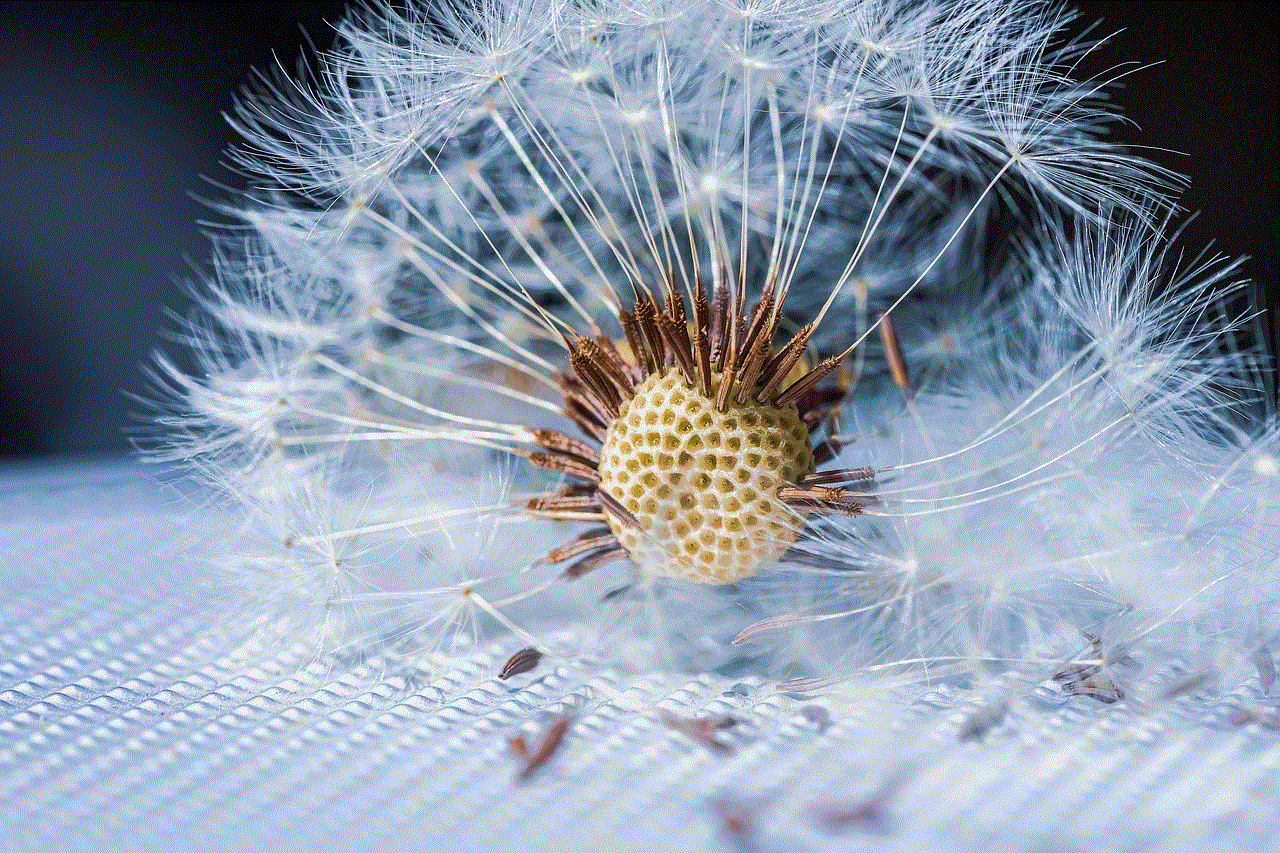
<point>1050,421</point>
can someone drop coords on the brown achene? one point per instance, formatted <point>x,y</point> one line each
<point>698,462</point>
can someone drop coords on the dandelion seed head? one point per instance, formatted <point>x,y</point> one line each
<point>538,239</point>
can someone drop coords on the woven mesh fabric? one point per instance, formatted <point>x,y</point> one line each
<point>141,709</point>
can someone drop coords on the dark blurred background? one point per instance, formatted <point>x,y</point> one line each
<point>110,114</point>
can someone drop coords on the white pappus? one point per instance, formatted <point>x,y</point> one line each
<point>483,234</point>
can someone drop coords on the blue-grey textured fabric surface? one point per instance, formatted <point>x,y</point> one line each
<point>141,707</point>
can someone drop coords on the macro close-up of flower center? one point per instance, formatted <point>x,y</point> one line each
<point>705,469</point>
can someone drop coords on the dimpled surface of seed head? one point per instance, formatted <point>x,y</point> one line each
<point>702,483</point>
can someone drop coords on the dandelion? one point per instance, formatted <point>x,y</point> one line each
<point>838,326</point>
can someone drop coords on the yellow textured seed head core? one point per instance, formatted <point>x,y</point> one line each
<point>703,483</point>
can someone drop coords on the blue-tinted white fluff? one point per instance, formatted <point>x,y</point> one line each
<point>1082,449</point>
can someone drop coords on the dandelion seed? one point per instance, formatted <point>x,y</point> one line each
<point>525,660</point>
<point>1190,684</point>
<point>737,820</point>
<point>1094,677</point>
<point>893,353</point>
<point>1244,717</point>
<point>702,729</point>
<point>551,740</point>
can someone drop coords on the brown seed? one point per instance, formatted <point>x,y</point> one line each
<point>591,562</point>
<point>593,379</point>
<point>1092,677</point>
<point>779,366</point>
<point>702,729</point>
<point>676,335</point>
<point>1190,684</point>
<point>550,743</point>
<point>893,352</point>
<point>820,499</point>
<point>635,340</point>
<point>1243,717</point>
<point>610,505</point>
<point>801,386</point>
<point>719,326</point>
<point>646,320</point>
<point>1088,679</point>
<point>559,442</point>
<point>596,537</point>
<point>564,464</point>
<point>525,660</point>
<point>551,504</point>
<point>737,820</point>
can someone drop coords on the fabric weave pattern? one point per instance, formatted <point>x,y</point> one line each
<point>142,708</point>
